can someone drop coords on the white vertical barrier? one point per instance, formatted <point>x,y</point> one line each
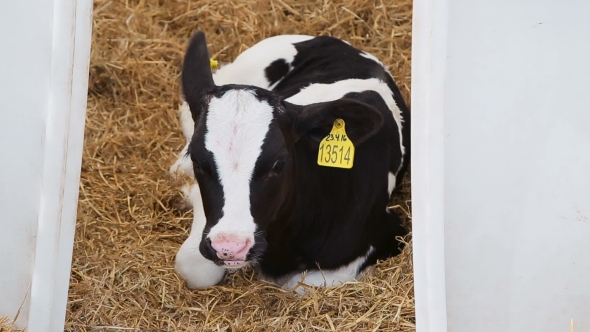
<point>428,75</point>
<point>501,154</point>
<point>44,79</point>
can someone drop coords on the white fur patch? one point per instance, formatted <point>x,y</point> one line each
<point>237,124</point>
<point>329,278</point>
<point>319,92</point>
<point>248,67</point>
<point>198,271</point>
<point>391,179</point>
<point>186,121</point>
<point>371,57</point>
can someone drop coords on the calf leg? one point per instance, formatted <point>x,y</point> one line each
<point>196,270</point>
<point>183,164</point>
<point>328,278</point>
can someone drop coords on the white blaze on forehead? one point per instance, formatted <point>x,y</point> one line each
<point>236,126</point>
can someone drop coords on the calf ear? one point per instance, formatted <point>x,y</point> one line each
<point>197,79</point>
<point>316,120</point>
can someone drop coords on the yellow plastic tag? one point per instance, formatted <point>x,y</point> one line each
<point>213,63</point>
<point>336,149</point>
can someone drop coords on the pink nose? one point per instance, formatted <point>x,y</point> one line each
<point>232,250</point>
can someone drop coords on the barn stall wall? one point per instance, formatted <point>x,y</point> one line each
<point>500,201</point>
<point>43,80</point>
<point>501,154</point>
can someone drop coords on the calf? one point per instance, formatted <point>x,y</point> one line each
<point>254,130</point>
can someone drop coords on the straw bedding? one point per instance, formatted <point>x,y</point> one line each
<point>131,220</point>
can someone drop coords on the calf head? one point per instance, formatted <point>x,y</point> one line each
<point>242,153</point>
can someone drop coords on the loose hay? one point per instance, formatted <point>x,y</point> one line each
<point>130,224</point>
<point>7,325</point>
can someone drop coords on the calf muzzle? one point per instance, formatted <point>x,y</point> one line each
<point>230,252</point>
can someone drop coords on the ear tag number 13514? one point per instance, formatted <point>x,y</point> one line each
<point>336,149</point>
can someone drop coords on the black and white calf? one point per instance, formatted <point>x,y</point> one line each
<point>253,132</point>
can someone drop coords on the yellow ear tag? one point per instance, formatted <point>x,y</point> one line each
<point>213,63</point>
<point>336,149</point>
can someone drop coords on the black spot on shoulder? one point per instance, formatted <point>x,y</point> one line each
<point>276,70</point>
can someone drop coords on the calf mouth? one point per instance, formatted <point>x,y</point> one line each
<point>232,265</point>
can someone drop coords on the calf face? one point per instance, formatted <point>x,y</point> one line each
<point>242,153</point>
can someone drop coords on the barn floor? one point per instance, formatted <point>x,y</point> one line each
<point>130,220</point>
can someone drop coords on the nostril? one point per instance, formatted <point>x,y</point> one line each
<point>207,250</point>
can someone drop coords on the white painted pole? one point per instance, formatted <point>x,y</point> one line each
<point>429,38</point>
<point>64,134</point>
<point>500,160</point>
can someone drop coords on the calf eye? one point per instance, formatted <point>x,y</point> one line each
<point>278,166</point>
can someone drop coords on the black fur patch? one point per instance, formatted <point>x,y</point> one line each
<point>276,70</point>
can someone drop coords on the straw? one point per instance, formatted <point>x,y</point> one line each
<point>131,218</point>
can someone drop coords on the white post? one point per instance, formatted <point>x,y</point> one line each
<point>45,80</point>
<point>501,153</point>
<point>428,75</point>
